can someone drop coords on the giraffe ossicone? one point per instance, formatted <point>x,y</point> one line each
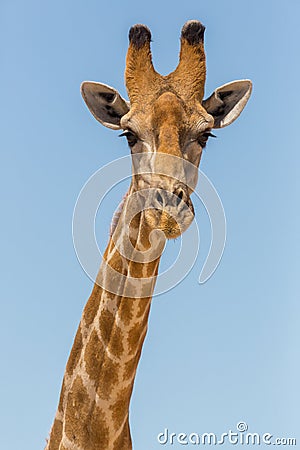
<point>167,124</point>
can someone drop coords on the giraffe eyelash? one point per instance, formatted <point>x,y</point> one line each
<point>125,133</point>
<point>130,136</point>
<point>209,134</point>
<point>202,140</point>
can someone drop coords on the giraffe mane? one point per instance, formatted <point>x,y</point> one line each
<point>117,215</point>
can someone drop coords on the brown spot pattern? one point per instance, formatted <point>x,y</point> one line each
<point>136,335</point>
<point>125,310</point>
<point>130,366</point>
<point>85,423</point>
<point>123,442</point>
<point>144,307</point>
<point>118,263</point>
<point>56,435</point>
<point>106,323</point>
<point>93,356</point>
<point>77,410</point>
<point>119,409</point>
<point>108,378</point>
<point>98,431</point>
<point>92,306</point>
<point>116,345</point>
<point>75,353</point>
<point>136,269</point>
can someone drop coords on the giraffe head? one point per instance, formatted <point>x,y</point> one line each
<point>166,122</point>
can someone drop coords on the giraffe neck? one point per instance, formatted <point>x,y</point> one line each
<point>94,402</point>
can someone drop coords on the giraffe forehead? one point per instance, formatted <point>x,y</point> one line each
<point>168,109</point>
<point>171,116</point>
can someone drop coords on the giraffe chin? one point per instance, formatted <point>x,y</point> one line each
<point>162,220</point>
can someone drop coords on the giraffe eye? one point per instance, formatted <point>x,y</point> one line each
<point>203,138</point>
<point>130,136</point>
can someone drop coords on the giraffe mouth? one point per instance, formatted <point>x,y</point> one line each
<point>170,220</point>
<point>172,226</point>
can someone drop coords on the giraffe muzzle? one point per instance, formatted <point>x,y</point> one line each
<point>170,211</point>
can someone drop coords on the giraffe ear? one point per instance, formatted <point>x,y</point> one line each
<point>105,103</point>
<point>228,101</point>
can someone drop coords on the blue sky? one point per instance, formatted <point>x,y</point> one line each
<point>217,353</point>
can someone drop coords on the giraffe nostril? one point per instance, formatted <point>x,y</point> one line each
<point>179,197</point>
<point>159,199</point>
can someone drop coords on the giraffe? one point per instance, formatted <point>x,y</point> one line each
<point>167,124</point>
